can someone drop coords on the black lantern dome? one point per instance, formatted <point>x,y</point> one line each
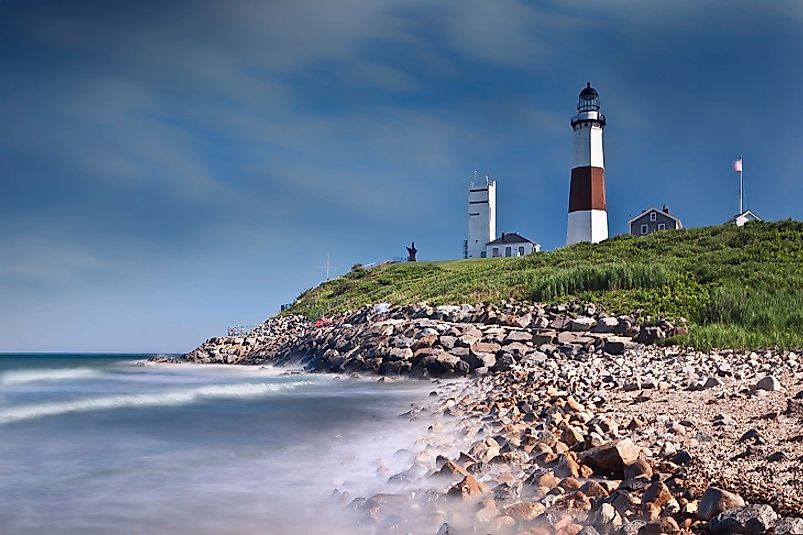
<point>588,99</point>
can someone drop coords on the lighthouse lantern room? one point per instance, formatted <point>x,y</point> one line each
<point>588,216</point>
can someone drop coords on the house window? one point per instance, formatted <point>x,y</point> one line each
<point>644,229</point>
<point>483,254</point>
<point>495,252</point>
<point>508,251</point>
<point>521,251</point>
<point>661,226</point>
<point>653,216</point>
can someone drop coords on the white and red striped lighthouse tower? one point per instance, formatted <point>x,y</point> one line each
<point>588,215</point>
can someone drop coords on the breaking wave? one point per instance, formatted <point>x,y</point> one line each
<point>178,397</point>
<point>58,374</point>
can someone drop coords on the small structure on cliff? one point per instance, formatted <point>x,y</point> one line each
<point>481,217</point>
<point>511,244</point>
<point>411,252</point>
<point>652,220</point>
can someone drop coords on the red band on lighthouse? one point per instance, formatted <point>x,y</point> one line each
<point>587,190</point>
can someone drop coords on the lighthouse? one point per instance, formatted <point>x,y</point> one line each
<point>588,215</point>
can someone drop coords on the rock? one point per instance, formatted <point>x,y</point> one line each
<point>650,335</point>
<point>712,382</point>
<point>593,489</point>
<point>715,501</point>
<point>632,528</point>
<point>611,458</point>
<point>525,511</point>
<point>452,469</point>
<point>467,488</point>
<point>518,336</point>
<point>614,347</point>
<point>657,493</point>
<point>660,526</point>
<point>606,325</point>
<point>682,457</point>
<point>769,383</point>
<point>606,518</point>
<point>582,324</point>
<point>753,519</point>
<point>789,526</point>
<point>485,347</point>
<point>637,468</point>
<point>543,478</point>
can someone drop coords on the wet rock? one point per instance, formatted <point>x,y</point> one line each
<point>525,511</point>
<point>452,469</point>
<point>715,501</point>
<point>467,488</point>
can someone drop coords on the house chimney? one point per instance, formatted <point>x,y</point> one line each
<point>666,209</point>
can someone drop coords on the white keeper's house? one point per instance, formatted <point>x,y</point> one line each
<point>740,219</point>
<point>511,244</point>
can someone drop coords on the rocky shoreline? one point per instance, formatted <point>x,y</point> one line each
<point>572,421</point>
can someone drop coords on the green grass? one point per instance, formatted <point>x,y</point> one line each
<point>738,287</point>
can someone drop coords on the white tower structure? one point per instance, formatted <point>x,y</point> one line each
<point>588,215</point>
<point>481,217</point>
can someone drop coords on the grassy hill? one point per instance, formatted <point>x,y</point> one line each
<point>738,287</point>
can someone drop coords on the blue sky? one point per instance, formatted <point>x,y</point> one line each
<point>171,168</point>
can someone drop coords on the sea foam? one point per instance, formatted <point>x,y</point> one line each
<point>176,397</point>
<point>54,374</point>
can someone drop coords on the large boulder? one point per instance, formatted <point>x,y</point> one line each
<point>611,458</point>
<point>715,501</point>
<point>753,519</point>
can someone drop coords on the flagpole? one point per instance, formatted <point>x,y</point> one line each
<point>741,185</point>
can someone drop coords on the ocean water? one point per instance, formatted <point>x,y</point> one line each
<point>107,444</point>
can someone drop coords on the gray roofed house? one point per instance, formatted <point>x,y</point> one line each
<point>652,219</point>
<point>511,244</point>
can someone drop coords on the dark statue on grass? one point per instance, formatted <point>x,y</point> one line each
<point>411,252</point>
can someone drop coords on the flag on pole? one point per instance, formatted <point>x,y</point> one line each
<point>737,165</point>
